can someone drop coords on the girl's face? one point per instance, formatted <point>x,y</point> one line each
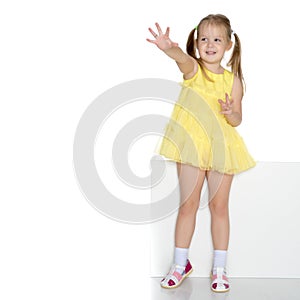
<point>212,44</point>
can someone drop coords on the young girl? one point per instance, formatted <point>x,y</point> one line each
<point>211,155</point>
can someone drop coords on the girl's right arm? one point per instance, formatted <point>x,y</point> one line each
<point>187,65</point>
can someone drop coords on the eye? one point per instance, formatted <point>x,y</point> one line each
<point>203,39</point>
<point>217,40</point>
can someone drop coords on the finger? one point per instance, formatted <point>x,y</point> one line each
<point>229,104</point>
<point>151,41</point>
<point>152,32</point>
<point>158,28</point>
<point>227,99</point>
<point>221,102</point>
<point>167,31</point>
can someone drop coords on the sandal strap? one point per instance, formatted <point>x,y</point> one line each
<point>220,277</point>
<point>174,267</point>
<point>216,279</point>
<point>174,275</point>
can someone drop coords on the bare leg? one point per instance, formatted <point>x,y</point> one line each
<point>190,182</point>
<point>219,188</point>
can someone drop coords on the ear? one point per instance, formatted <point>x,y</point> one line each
<point>229,46</point>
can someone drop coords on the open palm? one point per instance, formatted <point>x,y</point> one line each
<point>226,107</point>
<point>162,40</point>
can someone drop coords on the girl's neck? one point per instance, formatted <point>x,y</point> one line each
<point>214,68</point>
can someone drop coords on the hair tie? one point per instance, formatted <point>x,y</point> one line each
<point>233,32</point>
<point>196,27</point>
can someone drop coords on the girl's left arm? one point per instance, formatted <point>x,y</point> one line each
<point>232,108</point>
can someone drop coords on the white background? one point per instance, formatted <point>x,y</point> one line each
<point>56,58</point>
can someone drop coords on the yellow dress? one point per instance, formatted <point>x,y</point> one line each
<point>197,134</point>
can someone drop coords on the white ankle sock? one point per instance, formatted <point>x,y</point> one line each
<point>180,257</point>
<point>220,258</point>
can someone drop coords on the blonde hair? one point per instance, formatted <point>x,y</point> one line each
<point>235,59</point>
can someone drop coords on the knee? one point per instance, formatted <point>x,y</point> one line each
<point>218,208</point>
<point>188,208</point>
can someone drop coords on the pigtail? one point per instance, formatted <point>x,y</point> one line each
<point>191,50</point>
<point>190,45</point>
<point>235,60</point>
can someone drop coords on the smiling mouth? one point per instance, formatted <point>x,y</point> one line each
<point>210,52</point>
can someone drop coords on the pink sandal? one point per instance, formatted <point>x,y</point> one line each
<point>173,279</point>
<point>219,281</point>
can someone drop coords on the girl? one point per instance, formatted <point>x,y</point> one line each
<point>209,104</point>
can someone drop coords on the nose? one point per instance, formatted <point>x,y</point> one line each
<point>209,43</point>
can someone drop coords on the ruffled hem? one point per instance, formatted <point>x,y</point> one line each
<point>222,171</point>
<point>230,170</point>
<point>229,155</point>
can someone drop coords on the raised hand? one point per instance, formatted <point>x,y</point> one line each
<point>162,40</point>
<point>226,107</point>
